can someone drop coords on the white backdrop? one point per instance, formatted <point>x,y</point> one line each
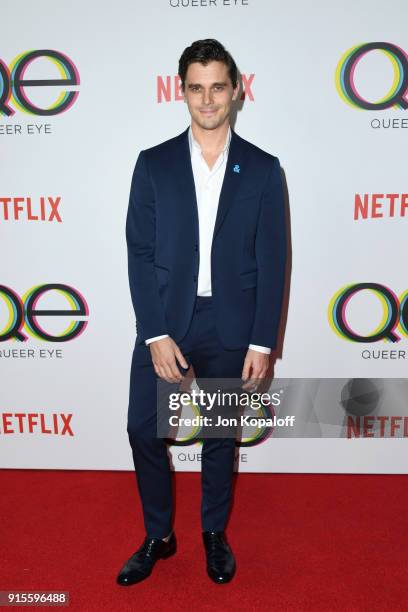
<point>329,151</point>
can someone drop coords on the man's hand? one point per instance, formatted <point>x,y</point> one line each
<point>164,353</point>
<point>255,368</point>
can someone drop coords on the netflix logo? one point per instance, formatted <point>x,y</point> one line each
<point>168,88</point>
<point>380,205</point>
<point>377,427</point>
<point>44,208</point>
<point>57,424</point>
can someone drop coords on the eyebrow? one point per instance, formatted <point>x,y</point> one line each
<point>199,84</point>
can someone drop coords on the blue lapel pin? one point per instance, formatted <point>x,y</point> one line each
<point>236,168</point>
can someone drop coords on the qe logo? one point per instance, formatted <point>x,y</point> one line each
<point>25,313</point>
<point>397,95</point>
<point>261,433</point>
<point>395,313</point>
<point>13,83</point>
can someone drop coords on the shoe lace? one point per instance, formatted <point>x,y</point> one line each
<point>214,541</point>
<point>149,546</point>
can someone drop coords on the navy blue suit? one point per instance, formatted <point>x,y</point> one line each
<point>213,333</point>
<point>248,251</point>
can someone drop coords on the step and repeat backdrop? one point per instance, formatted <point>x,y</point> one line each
<point>84,86</point>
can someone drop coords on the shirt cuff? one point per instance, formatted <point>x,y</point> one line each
<point>149,340</point>
<point>260,349</point>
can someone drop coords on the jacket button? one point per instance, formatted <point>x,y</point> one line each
<point>196,247</point>
<point>195,278</point>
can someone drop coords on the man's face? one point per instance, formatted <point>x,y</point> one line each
<point>209,94</point>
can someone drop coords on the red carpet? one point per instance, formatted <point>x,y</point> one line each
<point>302,542</point>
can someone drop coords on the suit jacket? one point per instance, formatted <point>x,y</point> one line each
<point>248,248</point>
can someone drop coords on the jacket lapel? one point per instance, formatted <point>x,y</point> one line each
<point>183,171</point>
<point>234,171</point>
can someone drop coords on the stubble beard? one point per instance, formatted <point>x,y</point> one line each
<point>209,123</point>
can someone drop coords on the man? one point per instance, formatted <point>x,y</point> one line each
<point>206,256</point>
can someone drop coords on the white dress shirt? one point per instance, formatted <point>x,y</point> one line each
<point>208,183</point>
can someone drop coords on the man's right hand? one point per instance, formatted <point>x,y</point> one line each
<point>164,353</point>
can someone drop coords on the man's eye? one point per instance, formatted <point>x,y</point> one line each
<point>218,87</point>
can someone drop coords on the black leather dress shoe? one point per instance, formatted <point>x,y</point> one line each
<point>220,560</point>
<point>141,563</point>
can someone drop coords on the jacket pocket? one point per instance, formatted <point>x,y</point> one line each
<point>249,279</point>
<point>162,275</point>
<point>248,195</point>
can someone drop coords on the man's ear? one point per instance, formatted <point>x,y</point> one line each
<point>236,91</point>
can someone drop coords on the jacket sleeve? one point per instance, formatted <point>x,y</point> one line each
<point>270,253</point>
<point>140,239</point>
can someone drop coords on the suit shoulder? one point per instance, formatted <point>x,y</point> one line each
<point>163,148</point>
<point>256,151</point>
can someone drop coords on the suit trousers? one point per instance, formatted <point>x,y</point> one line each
<point>202,349</point>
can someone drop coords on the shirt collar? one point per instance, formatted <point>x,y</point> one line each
<point>192,141</point>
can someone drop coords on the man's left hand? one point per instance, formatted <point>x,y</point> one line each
<point>255,368</point>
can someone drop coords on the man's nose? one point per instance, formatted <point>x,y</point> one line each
<point>207,97</point>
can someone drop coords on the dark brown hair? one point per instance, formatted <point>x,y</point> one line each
<point>205,51</point>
